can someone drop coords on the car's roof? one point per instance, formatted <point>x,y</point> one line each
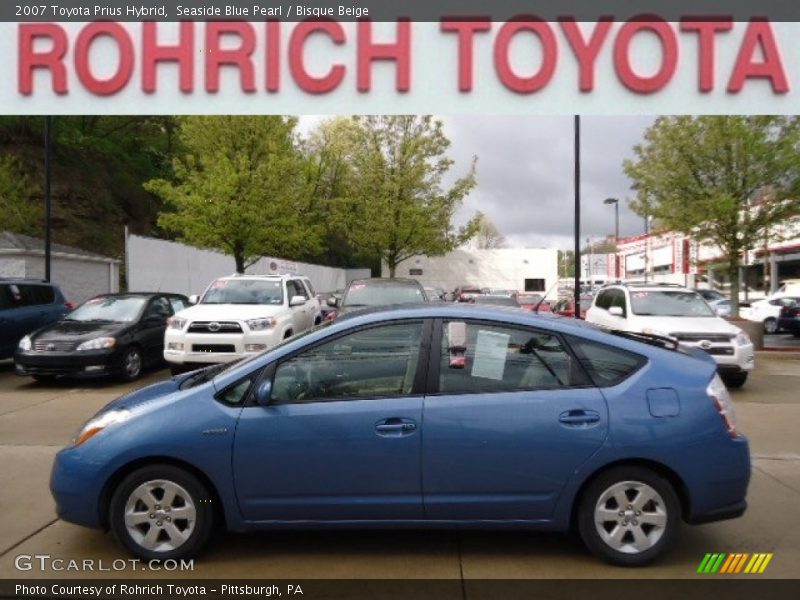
<point>648,288</point>
<point>275,277</point>
<point>138,294</point>
<point>385,281</point>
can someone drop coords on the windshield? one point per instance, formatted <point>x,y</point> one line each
<point>362,294</point>
<point>244,291</point>
<point>122,309</point>
<point>711,295</point>
<point>670,304</point>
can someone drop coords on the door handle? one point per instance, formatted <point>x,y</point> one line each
<point>395,427</point>
<point>579,417</point>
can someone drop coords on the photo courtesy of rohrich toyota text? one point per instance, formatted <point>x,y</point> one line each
<point>454,299</point>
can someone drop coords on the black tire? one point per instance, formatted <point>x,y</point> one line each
<point>734,380</point>
<point>771,325</point>
<point>45,379</point>
<point>657,538</point>
<point>132,363</point>
<point>199,529</point>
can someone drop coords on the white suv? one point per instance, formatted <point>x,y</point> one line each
<point>681,314</point>
<point>239,316</point>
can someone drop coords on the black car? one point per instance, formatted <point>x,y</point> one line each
<point>365,293</point>
<point>789,319</point>
<point>111,334</point>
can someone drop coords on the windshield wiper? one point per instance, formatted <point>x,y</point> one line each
<point>662,341</point>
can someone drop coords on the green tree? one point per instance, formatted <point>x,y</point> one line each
<point>488,235</point>
<point>722,180</point>
<point>397,206</point>
<point>19,202</point>
<point>239,187</point>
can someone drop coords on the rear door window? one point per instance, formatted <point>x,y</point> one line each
<point>483,357</point>
<point>36,295</point>
<point>606,364</point>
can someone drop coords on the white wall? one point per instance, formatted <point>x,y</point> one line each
<point>78,278</point>
<point>164,266</point>
<point>505,268</point>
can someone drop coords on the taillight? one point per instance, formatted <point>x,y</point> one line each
<point>719,395</point>
<point>69,305</point>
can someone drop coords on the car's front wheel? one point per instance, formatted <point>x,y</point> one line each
<point>132,364</point>
<point>161,512</point>
<point>735,380</point>
<point>770,325</point>
<point>628,515</point>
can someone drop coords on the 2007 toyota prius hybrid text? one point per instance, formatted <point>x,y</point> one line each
<point>430,416</point>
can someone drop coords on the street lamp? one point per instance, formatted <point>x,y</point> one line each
<point>615,202</point>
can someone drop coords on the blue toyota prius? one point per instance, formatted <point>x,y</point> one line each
<point>432,416</point>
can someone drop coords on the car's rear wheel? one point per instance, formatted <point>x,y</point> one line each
<point>735,380</point>
<point>161,512</point>
<point>131,366</point>
<point>628,515</point>
<point>770,325</point>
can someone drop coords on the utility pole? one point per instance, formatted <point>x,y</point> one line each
<point>577,240</point>
<point>48,175</point>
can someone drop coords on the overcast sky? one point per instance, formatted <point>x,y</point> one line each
<point>525,174</point>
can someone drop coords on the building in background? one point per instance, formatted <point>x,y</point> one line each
<point>80,274</point>
<point>667,256</point>
<point>522,269</point>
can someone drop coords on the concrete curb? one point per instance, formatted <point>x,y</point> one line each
<point>779,353</point>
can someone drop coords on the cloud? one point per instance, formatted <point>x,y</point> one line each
<point>525,173</point>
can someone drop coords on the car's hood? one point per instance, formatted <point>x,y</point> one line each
<point>688,325</point>
<point>78,331</point>
<point>148,393</point>
<point>229,312</point>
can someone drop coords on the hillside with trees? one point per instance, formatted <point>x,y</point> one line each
<point>244,185</point>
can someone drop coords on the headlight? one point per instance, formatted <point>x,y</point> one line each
<point>742,339</point>
<point>25,343</point>
<point>96,424</point>
<point>261,324</point>
<point>176,322</point>
<point>98,344</point>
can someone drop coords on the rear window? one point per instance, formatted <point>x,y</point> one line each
<point>606,364</point>
<point>33,295</point>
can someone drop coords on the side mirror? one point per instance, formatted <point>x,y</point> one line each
<point>263,392</point>
<point>616,311</point>
<point>333,301</point>
<point>297,301</point>
<point>194,299</point>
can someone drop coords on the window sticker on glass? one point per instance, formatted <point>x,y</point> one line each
<point>490,355</point>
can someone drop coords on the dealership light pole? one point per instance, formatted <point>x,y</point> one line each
<point>577,251</point>
<point>615,202</point>
<point>48,173</point>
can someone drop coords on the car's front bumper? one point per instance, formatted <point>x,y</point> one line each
<point>76,486</point>
<point>182,348</point>
<point>87,363</point>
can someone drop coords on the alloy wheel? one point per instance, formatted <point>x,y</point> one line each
<point>160,515</point>
<point>630,517</point>
<point>132,363</point>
